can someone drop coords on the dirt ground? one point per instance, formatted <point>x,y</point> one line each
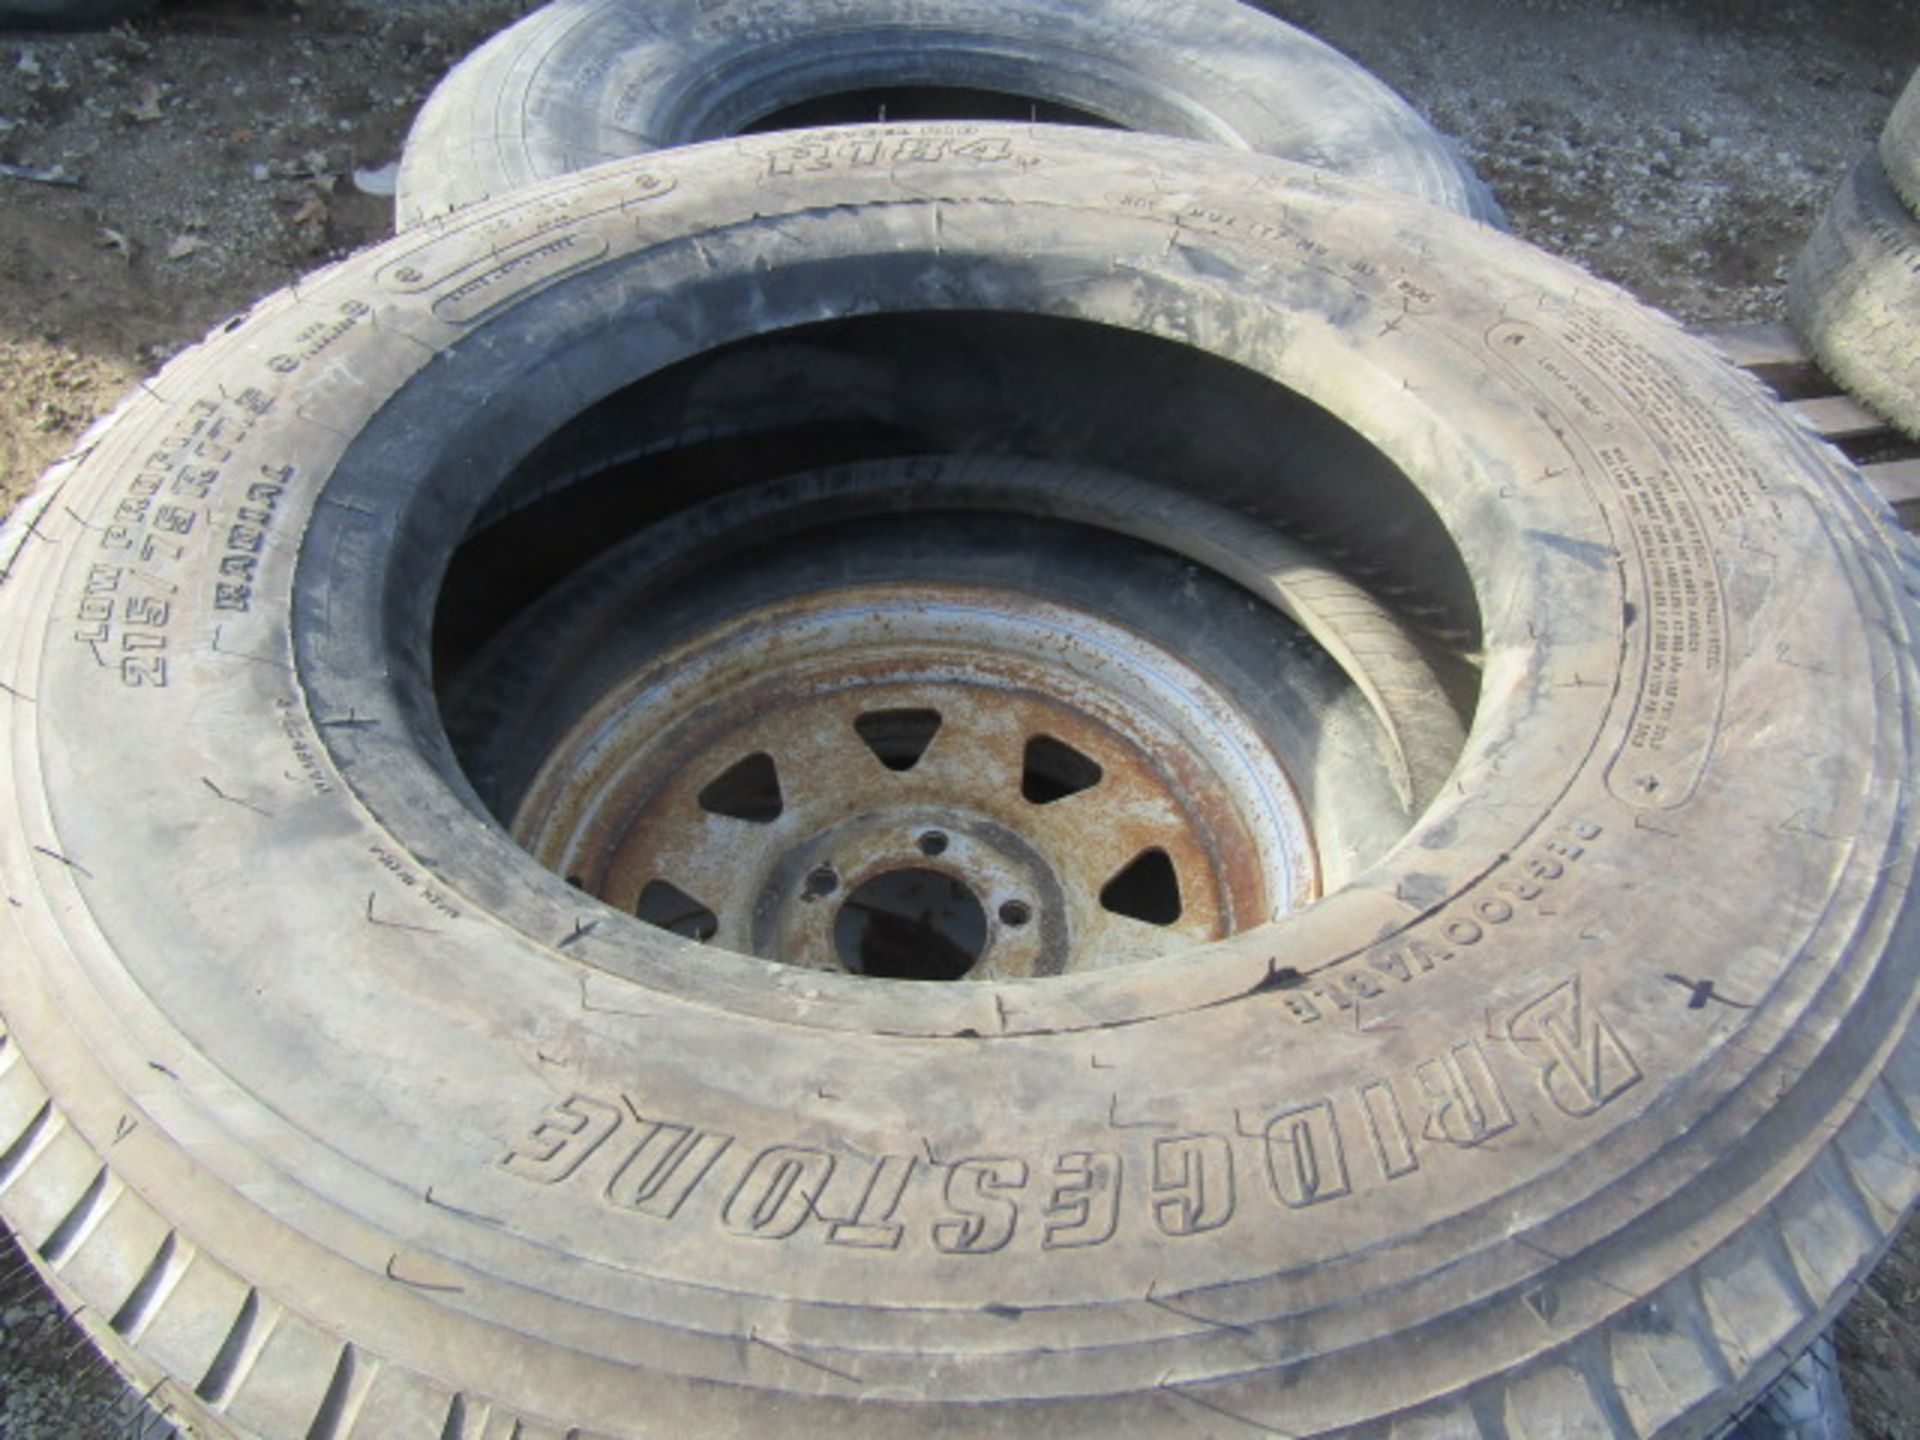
<point>210,152</point>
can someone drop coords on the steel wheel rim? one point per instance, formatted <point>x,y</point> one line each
<point>717,790</point>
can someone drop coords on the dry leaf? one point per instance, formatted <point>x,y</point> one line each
<point>309,224</point>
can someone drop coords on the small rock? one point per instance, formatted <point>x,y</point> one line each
<point>147,111</point>
<point>184,246</point>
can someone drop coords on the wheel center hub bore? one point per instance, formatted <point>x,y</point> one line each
<point>924,782</point>
<point>911,924</point>
<point>937,878</point>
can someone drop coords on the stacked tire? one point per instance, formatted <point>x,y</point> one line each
<point>581,82</point>
<point>1854,293</point>
<point>954,779</point>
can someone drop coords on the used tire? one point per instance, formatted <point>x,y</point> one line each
<point>1578,1111</point>
<point>1900,145</point>
<point>1808,1403</point>
<point>580,82</point>
<point>892,652</point>
<point>913,534</point>
<point>68,14</point>
<point>1854,295</point>
<point>507,707</point>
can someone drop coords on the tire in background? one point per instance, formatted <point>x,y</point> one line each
<point>1369,737</point>
<point>491,702</point>
<point>1807,1403</point>
<point>1900,145</point>
<point>580,82</point>
<point>68,14</point>
<point>1854,295</point>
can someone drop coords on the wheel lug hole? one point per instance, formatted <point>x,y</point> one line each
<point>1015,913</point>
<point>821,883</point>
<point>933,842</point>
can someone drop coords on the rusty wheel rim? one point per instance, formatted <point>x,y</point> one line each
<point>925,782</point>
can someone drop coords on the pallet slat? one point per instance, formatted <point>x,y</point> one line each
<point>1837,417</point>
<point>1898,482</point>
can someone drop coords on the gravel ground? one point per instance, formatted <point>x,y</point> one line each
<point>1681,149</point>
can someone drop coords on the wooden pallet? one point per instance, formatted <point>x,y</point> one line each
<point>1774,355</point>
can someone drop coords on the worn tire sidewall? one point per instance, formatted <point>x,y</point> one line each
<point>360,1038</point>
